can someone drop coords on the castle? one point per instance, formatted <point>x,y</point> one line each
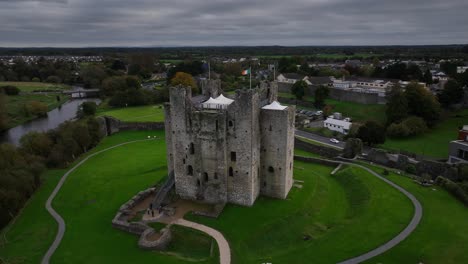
<point>229,150</point>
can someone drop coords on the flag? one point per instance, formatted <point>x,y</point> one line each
<point>245,72</point>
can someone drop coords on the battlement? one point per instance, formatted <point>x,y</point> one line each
<point>215,143</point>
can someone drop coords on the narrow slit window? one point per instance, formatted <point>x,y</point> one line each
<point>231,172</point>
<point>233,156</point>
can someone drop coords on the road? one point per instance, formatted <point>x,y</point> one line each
<point>418,212</point>
<point>319,139</point>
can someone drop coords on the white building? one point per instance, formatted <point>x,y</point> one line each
<point>462,69</point>
<point>340,126</point>
<point>289,77</point>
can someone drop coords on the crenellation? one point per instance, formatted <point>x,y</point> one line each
<point>215,150</point>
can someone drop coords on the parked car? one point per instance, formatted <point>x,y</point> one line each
<point>319,113</point>
<point>334,140</point>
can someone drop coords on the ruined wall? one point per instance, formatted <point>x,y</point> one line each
<point>277,146</point>
<point>211,88</point>
<point>243,139</point>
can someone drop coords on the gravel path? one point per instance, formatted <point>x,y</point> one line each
<point>223,245</point>
<point>55,215</point>
<point>418,212</point>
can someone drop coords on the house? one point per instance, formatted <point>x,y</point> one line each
<point>289,77</point>
<point>318,80</point>
<point>340,125</point>
<point>458,149</point>
<point>462,69</point>
<point>439,76</point>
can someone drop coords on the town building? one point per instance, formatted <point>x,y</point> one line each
<point>224,149</point>
<point>336,122</point>
<point>289,77</point>
<point>458,149</point>
<point>462,69</point>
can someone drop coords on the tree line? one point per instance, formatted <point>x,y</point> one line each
<point>21,167</point>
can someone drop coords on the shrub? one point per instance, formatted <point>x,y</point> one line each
<point>36,108</point>
<point>385,172</point>
<point>397,130</point>
<point>53,79</point>
<point>10,90</point>
<point>352,148</point>
<point>87,109</point>
<point>453,188</point>
<point>415,125</point>
<point>35,79</point>
<point>410,168</point>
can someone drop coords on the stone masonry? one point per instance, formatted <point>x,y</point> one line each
<point>229,152</point>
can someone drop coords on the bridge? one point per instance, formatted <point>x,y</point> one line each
<point>82,93</point>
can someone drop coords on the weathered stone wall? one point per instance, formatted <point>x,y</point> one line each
<point>160,244</point>
<point>277,145</point>
<point>110,125</point>
<point>316,160</point>
<point>321,150</point>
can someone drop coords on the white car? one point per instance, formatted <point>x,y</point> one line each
<point>334,140</point>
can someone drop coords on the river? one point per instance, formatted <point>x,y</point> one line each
<point>54,118</point>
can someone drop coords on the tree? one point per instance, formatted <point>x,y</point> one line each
<point>10,90</point>
<point>53,79</point>
<point>452,93</point>
<point>321,93</point>
<point>37,108</point>
<point>87,109</point>
<point>36,143</point>
<point>3,113</point>
<point>93,75</point>
<point>371,133</point>
<point>397,105</point>
<point>427,77</point>
<point>298,89</point>
<point>184,79</point>
<point>81,135</point>
<point>353,147</point>
<point>422,103</point>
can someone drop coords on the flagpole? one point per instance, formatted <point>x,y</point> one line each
<point>209,71</point>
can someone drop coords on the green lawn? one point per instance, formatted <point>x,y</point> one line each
<point>32,86</point>
<point>320,222</point>
<point>147,113</point>
<point>88,201</point>
<point>434,143</point>
<point>442,235</point>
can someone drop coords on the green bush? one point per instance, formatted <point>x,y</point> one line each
<point>410,168</point>
<point>10,90</point>
<point>35,79</point>
<point>411,126</point>
<point>453,188</point>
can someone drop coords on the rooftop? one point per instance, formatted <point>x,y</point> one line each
<point>275,106</point>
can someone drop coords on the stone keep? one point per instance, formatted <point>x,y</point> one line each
<point>229,150</point>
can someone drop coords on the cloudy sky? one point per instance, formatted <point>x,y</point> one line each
<point>78,23</point>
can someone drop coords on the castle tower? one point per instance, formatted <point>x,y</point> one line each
<point>214,144</point>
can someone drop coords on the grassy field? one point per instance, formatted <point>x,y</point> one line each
<point>434,143</point>
<point>88,201</point>
<point>442,235</point>
<point>358,112</point>
<point>16,106</point>
<point>321,221</point>
<point>33,86</point>
<point>147,113</point>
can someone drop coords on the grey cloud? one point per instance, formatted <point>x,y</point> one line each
<point>225,22</point>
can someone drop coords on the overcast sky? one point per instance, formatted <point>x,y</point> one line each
<point>78,23</point>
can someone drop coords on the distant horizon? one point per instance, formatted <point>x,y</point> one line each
<point>233,46</point>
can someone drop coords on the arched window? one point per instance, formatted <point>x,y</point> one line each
<point>190,170</point>
<point>270,169</point>
<point>205,177</point>
<point>231,123</point>
<point>192,148</point>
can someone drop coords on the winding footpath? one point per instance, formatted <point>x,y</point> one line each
<point>418,212</point>
<point>223,245</point>
<point>55,215</point>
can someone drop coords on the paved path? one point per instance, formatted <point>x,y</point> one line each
<point>223,245</point>
<point>55,215</point>
<point>320,139</point>
<point>418,212</point>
